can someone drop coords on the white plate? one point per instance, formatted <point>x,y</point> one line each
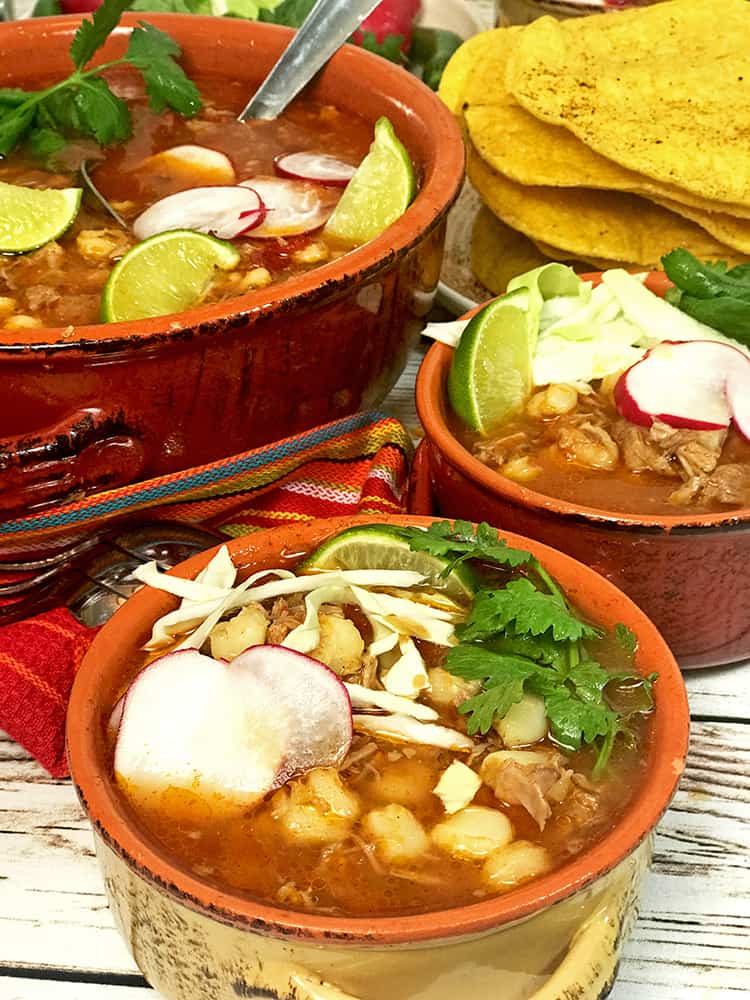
<point>466,19</point>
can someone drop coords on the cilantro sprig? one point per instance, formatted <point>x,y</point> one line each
<point>83,104</point>
<point>458,542</point>
<point>524,636</point>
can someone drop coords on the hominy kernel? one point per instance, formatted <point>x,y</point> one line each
<point>21,322</point>
<point>521,470</point>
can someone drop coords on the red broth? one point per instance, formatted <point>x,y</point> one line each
<point>528,450</point>
<point>61,283</point>
<point>254,853</point>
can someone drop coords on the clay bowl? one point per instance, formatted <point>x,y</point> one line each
<point>105,405</point>
<point>687,571</point>
<point>559,936</point>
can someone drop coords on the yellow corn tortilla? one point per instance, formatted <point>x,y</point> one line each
<point>531,152</point>
<point>462,63</point>
<point>733,232</point>
<point>499,253</point>
<point>662,90</point>
<point>602,225</point>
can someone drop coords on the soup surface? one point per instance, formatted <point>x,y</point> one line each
<point>61,283</point>
<point>577,447</point>
<point>386,832</point>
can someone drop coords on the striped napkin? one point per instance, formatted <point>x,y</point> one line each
<point>358,465</point>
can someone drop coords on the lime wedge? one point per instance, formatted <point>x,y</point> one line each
<point>381,546</point>
<point>164,274</point>
<point>490,377</point>
<point>378,193</point>
<point>31,217</point>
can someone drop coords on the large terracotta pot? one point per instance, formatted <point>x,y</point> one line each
<point>687,572</point>
<point>100,406</point>
<point>559,936</point>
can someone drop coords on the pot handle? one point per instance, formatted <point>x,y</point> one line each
<point>88,450</point>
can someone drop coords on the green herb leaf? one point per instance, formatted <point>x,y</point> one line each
<point>458,542</point>
<point>172,6</point>
<point>100,113</point>
<point>626,639</point>
<point>45,144</point>
<point>725,313</point>
<point>153,53</point>
<point>573,720</point>
<point>542,649</point>
<point>711,293</point>
<point>292,13</point>
<point>46,8</point>
<point>93,33</point>
<point>503,676</point>
<point>524,610</point>
<point>13,126</point>
<point>11,97</point>
<point>389,48</point>
<point>431,48</point>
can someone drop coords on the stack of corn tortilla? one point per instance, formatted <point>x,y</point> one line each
<point>608,140</point>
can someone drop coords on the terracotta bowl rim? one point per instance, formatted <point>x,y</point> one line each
<point>439,189</point>
<point>431,406</point>
<point>111,819</point>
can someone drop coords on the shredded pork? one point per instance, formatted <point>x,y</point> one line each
<point>535,780</point>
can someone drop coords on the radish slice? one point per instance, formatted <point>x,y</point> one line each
<point>697,384</point>
<point>315,167</point>
<point>199,164</point>
<point>292,207</point>
<point>230,730</point>
<point>221,211</point>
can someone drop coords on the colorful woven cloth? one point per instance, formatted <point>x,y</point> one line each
<point>351,466</point>
<point>354,466</point>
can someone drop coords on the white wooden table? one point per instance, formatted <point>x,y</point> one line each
<point>692,941</point>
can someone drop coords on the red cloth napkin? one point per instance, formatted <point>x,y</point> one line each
<point>38,661</point>
<point>353,466</point>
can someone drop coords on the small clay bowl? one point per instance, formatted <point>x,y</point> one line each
<point>104,405</point>
<point>687,571</point>
<point>559,936</point>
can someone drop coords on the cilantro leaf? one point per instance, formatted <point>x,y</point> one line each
<point>389,48</point>
<point>172,6</point>
<point>488,705</point>
<point>100,113</point>
<point>45,143</point>
<point>291,13</point>
<point>458,542</point>
<point>626,639</point>
<point>11,97</point>
<point>431,48</point>
<point>46,8</point>
<point>523,609</point>
<point>573,721</point>
<point>93,33</point>
<point>541,648</point>
<point>153,53</point>
<point>503,676</point>
<point>13,126</point>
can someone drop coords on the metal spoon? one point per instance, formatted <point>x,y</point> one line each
<point>326,28</point>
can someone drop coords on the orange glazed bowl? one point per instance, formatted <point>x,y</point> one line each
<point>687,572</point>
<point>558,936</point>
<point>104,405</point>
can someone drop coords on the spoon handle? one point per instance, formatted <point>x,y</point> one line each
<point>326,28</point>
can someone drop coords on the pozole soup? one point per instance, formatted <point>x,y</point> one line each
<point>409,720</point>
<point>86,204</point>
<point>606,397</point>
